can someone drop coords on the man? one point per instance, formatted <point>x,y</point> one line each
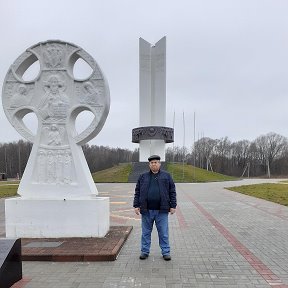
<point>155,197</point>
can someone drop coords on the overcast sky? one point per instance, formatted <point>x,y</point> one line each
<point>227,61</point>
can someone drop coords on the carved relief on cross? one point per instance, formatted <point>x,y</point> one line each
<point>57,98</point>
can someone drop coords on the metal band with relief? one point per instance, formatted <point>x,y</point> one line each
<point>153,132</point>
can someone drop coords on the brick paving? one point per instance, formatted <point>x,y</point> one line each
<point>219,238</point>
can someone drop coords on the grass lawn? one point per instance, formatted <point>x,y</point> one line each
<point>8,190</point>
<point>274,192</point>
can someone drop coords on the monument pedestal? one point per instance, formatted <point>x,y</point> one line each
<point>55,218</point>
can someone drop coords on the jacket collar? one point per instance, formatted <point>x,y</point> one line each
<point>151,173</point>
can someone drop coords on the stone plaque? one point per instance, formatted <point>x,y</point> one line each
<point>46,244</point>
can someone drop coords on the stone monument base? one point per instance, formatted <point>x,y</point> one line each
<point>48,218</point>
<point>76,249</point>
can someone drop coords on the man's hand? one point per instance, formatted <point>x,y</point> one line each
<point>172,210</point>
<point>137,210</point>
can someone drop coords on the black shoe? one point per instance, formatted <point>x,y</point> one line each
<point>167,257</point>
<point>143,256</point>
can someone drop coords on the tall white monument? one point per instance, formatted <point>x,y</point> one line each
<point>152,133</point>
<point>58,194</point>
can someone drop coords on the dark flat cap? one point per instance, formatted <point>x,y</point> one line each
<point>154,157</point>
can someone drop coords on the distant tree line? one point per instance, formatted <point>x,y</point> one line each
<point>14,157</point>
<point>265,156</point>
<point>103,157</point>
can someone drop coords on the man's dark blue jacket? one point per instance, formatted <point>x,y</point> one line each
<point>166,187</point>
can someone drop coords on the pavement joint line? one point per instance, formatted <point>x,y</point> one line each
<point>272,279</point>
<point>118,203</point>
<point>124,217</point>
<point>120,196</point>
<point>123,210</point>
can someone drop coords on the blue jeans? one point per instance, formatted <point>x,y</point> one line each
<point>161,221</point>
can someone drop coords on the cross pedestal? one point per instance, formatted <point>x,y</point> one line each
<point>55,218</point>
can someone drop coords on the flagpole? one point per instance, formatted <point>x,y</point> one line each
<point>194,160</point>
<point>183,146</point>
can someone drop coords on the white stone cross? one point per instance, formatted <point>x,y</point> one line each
<point>56,167</point>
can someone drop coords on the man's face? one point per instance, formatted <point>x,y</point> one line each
<point>154,165</point>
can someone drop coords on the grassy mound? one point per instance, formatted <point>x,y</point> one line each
<point>116,174</point>
<point>181,173</point>
<point>187,173</point>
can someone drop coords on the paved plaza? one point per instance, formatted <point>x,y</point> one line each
<point>218,238</point>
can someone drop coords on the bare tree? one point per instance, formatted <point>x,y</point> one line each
<point>175,154</point>
<point>222,155</point>
<point>269,147</point>
<point>203,150</point>
<point>240,156</point>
